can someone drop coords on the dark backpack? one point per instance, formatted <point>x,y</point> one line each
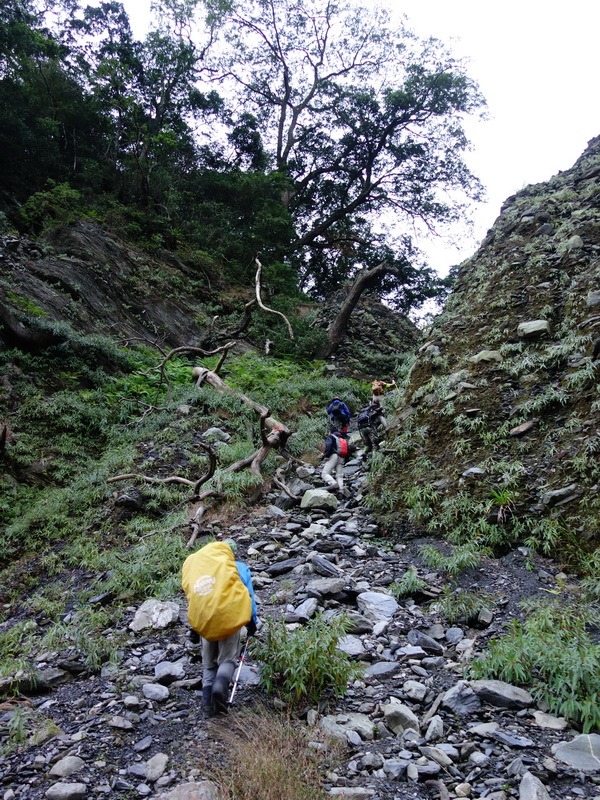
<point>364,417</point>
<point>337,408</point>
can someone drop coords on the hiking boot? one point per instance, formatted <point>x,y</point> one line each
<point>220,687</point>
<point>206,705</point>
<point>220,690</point>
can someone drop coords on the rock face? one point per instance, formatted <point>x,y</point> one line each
<point>66,277</point>
<point>508,374</point>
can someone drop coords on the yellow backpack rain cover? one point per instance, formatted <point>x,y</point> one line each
<point>218,602</point>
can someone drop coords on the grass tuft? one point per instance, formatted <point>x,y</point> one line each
<point>269,759</point>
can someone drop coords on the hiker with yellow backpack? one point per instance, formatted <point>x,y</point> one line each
<point>221,602</point>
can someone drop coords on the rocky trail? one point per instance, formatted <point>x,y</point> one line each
<point>411,727</point>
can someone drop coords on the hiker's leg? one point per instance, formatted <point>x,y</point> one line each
<point>210,652</point>
<point>339,474</point>
<point>228,652</point>
<point>330,465</point>
<point>374,439</point>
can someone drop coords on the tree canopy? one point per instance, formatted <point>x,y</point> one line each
<point>318,134</point>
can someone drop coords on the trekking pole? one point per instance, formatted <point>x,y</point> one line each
<point>237,674</point>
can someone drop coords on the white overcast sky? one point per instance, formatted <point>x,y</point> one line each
<point>538,66</point>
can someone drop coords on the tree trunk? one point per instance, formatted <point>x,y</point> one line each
<point>337,329</point>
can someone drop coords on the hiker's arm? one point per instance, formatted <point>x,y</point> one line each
<point>246,577</point>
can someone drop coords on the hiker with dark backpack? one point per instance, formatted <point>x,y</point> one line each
<point>339,415</point>
<point>336,452</point>
<point>220,602</point>
<point>369,419</point>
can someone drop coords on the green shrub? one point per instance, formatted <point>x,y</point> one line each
<point>553,655</point>
<point>89,634</point>
<point>410,583</point>
<point>463,557</point>
<point>461,605</point>
<point>151,568</point>
<point>301,665</point>
<point>58,205</point>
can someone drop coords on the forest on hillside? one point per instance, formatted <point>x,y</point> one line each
<point>318,136</point>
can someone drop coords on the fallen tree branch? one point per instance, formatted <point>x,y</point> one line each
<point>263,306</point>
<point>205,375</point>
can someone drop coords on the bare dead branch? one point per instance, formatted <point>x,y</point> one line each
<point>285,489</point>
<point>263,306</point>
<point>212,466</point>
<point>135,476</point>
<point>205,375</point>
<point>263,432</point>
<point>220,362</point>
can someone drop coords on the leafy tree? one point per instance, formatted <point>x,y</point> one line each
<point>362,117</point>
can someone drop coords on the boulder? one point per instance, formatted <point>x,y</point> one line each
<point>501,695</point>
<point>581,753</point>
<point>156,614</point>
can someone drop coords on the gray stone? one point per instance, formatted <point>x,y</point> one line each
<point>322,566</point>
<point>473,472</point>
<point>511,739</point>
<point>486,357</point>
<point>155,614</point>
<point>533,329</point>
<point>436,754</point>
<point>411,651</point>
<point>307,609</point>
<point>338,726</point>
<point>351,645</point>
<point>560,496</point>
<point>216,435</point>
<point>372,761</point>
<point>319,498</point>
<point>382,669</point>
<point>398,717</point>
<point>582,752</point>
<point>66,791</point>
<point>485,730</point>
<point>352,793</point>
<point>454,635</point>
<point>203,790</point>
<point>120,722</point>
<point>325,586</point>
<point>415,690</point>
<point>531,788</point>
<point>395,767</point>
<point>420,639</point>
<point>461,699</point>
<point>376,606</point>
<point>548,721</point>
<point>155,691</point>
<point>168,671</point>
<point>435,729</point>
<point>501,694</point>
<point>283,567</point>
<point>67,766</point>
<point>156,766</point>
<point>574,243</point>
<point>593,299</point>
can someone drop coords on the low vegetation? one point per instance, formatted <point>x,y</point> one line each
<point>305,665</point>
<point>553,655</point>
<point>269,759</point>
